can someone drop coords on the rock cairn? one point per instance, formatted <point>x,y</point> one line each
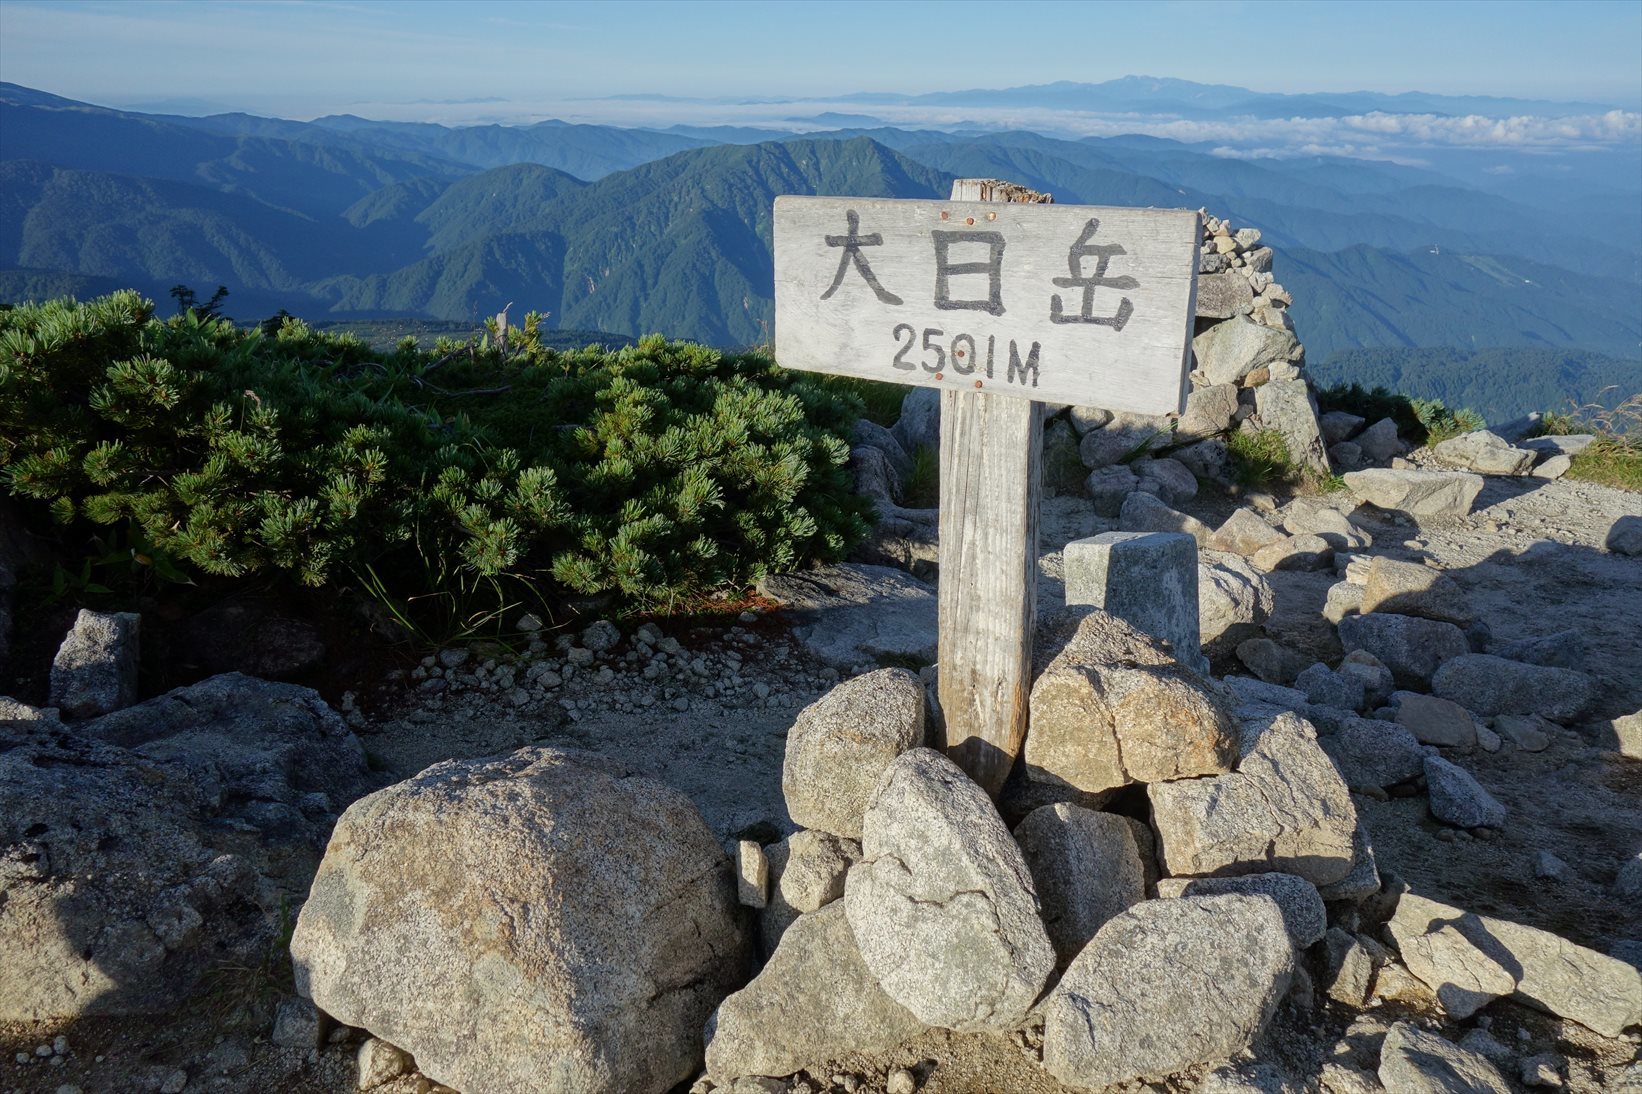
<point>917,907</point>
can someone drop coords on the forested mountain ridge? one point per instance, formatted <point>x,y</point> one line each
<point>344,216</point>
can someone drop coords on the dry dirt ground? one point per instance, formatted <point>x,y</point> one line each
<point>1530,556</point>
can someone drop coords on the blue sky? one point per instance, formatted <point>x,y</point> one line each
<point>301,58</point>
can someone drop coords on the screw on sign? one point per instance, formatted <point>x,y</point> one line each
<point>1025,300</point>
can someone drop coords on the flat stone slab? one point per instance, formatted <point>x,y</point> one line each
<point>853,613</point>
<point>1419,493</point>
<point>1549,973</point>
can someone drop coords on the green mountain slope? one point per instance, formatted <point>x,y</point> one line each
<point>1498,383</point>
<point>105,225</point>
<point>585,151</point>
<point>1364,296</point>
<point>310,177</point>
<point>682,245</point>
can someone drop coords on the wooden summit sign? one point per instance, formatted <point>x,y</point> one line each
<point>1071,304</point>
<point>996,292</point>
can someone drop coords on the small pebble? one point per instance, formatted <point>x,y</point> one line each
<point>901,1081</point>
<point>59,1045</point>
<point>174,1082</point>
<point>43,1050</point>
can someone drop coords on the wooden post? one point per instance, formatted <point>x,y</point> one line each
<point>991,482</point>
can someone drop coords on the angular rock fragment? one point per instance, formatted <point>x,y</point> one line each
<point>1107,488</point>
<point>1410,647</point>
<point>942,904</point>
<point>1483,452</point>
<point>1370,752</point>
<point>850,613</point>
<point>1244,533</point>
<point>1227,352</point>
<point>1289,407</point>
<point>1552,974</point>
<point>1304,552</point>
<point>1458,799</point>
<point>1489,685</point>
<point>806,873</point>
<point>1109,707</point>
<point>1435,721</point>
<point>814,1001</point>
<point>1166,985</point>
<point>842,742</point>
<point>1329,688</point>
<point>1413,1061</point>
<point>1409,588</point>
<point>1087,866</point>
<point>95,670</point>
<point>1233,598</point>
<point>1284,809</point>
<point>1297,899</point>
<point>1141,512</point>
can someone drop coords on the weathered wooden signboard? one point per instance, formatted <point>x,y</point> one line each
<point>1077,304</point>
<point>994,293</point>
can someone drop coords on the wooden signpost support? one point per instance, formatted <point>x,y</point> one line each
<point>1056,304</point>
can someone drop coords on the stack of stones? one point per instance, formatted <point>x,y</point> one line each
<point>1247,375</point>
<point>1128,948</point>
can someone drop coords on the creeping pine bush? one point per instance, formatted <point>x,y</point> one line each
<point>652,472</point>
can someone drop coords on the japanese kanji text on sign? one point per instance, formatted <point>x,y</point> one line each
<point>1058,303</point>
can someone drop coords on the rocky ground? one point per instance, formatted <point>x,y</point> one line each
<point>706,710</point>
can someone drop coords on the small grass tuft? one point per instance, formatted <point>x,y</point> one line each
<point>1260,459</point>
<point>1615,457</point>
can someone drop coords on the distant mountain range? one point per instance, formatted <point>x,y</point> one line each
<point>637,230</point>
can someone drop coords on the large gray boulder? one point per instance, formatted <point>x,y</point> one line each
<point>853,613</point>
<point>1489,685</point>
<point>275,749</point>
<point>95,670</point>
<point>1413,1061</point>
<point>942,905</point>
<point>842,742</point>
<point>1412,648</point>
<point>1284,809</point>
<point>1227,352</point>
<point>813,1002</point>
<point>116,896</point>
<point>1109,707</point>
<point>1087,866</point>
<point>142,850</point>
<point>1167,985</point>
<point>1431,494</point>
<point>579,919</point>
<point>1550,973</point>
